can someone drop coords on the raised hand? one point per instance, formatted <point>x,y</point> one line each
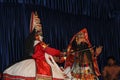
<point>98,50</point>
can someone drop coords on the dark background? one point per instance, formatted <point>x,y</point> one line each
<point>61,19</point>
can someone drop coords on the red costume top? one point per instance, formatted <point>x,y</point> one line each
<point>43,67</point>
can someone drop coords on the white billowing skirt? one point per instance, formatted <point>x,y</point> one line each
<point>26,69</point>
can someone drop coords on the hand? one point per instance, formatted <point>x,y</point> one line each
<point>99,50</point>
<point>57,59</point>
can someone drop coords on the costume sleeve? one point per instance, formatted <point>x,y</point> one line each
<point>40,50</point>
<point>52,51</point>
<point>49,50</point>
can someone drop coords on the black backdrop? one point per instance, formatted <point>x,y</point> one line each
<point>61,19</point>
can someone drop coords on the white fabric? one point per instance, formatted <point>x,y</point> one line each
<point>36,42</point>
<point>26,68</point>
<point>56,71</point>
<point>67,71</point>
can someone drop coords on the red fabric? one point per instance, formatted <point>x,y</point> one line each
<point>43,67</point>
<point>57,79</point>
<point>14,77</point>
<point>39,52</point>
<point>96,68</point>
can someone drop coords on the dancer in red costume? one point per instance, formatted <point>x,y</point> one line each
<point>42,66</point>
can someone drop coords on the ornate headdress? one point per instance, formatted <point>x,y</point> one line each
<point>35,23</point>
<point>81,34</point>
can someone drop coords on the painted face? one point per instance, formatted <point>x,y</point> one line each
<point>80,38</point>
<point>39,38</point>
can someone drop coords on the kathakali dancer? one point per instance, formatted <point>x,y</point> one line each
<point>42,65</point>
<point>81,61</point>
